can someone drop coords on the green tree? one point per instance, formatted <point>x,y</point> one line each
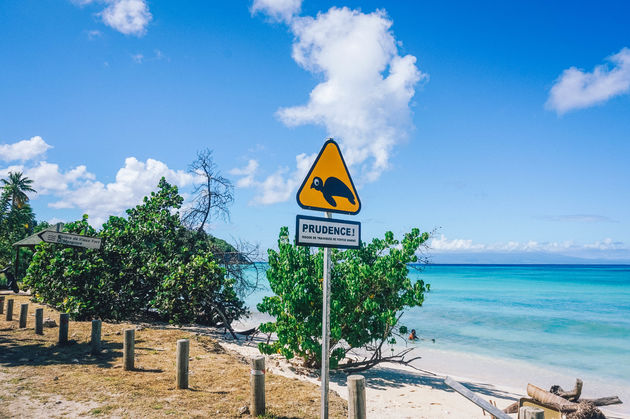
<point>16,217</point>
<point>16,187</point>
<point>370,289</point>
<point>148,260</point>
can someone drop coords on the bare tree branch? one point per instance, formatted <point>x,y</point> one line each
<point>212,193</point>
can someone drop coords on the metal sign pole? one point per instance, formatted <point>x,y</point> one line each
<point>325,329</point>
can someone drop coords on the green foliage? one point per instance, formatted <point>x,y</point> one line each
<point>148,261</point>
<point>17,220</point>
<point>370,288</point>
<point>64,277</point>
<point>220,245</point>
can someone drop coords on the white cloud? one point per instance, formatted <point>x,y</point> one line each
<point>247,174</point>
<point>134,181</point>
<point>576,89</point>
<point>606,244</point>
<point>279,10</point>
<point>13,168</point>
<point>157,55</point>
<point>24,150</point>
<point>137,58</point>
<point>94,34</point>
<point>363,100</point>
<point>130,17</point>
<point>277,187</point>
<point>78,188</point>
<point>49,179</point>
<point>442,244</point>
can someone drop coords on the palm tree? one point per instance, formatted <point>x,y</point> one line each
<point>16,187</point>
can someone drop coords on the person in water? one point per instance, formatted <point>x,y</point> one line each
<point>412,335</point>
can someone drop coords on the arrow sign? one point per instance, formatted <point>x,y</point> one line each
<point>70,239</point>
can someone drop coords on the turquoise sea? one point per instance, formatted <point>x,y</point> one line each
<point>573,317</point>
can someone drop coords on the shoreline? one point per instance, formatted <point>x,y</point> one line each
<point>414,393</point>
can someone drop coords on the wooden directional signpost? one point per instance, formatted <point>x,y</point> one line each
<point>328,187</point>
<point>68,239</point>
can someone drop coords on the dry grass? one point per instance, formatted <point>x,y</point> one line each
<point>39,377</point>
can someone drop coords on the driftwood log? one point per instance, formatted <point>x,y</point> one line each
<point>568,405</point>
<point>550,399</point>
<point>604,401</point>
<point>573,395</point>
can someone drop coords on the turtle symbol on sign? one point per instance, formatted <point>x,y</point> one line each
<point>333,187</point>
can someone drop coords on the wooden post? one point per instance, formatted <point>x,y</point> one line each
<point>95,341</point>
<point>182,363</point>
<point>1,304</point>
<point>128,349</point>
<point>23,315</point>
<point>9,309</point>
<point>39,321</point>
<point>356,397</point>
<point>530,412</point>
<point>257,386</point>
<point>64,319</point>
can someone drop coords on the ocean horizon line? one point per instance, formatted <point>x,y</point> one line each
<point>579,265</point>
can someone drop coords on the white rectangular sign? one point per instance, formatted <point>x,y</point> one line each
<point>325,232</point>
<point>70,239</point>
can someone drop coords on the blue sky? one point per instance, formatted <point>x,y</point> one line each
<point>503,125</point>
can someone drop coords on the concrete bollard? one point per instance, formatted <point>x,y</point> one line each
<point>1,304</point>
<point>128,349</point>
<point>95,341</point>
<point>64,320</point>
<point>356,397</point>
<point>530,412</point>
<point>23,315</point>
<point>9,316</point>
<point>257,386</point>
<point>183,348</point>
<point>39,321</point>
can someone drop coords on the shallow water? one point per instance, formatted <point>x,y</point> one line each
<point>575,317</point>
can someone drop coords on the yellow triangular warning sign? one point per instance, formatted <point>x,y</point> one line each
<point>328,185</point>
